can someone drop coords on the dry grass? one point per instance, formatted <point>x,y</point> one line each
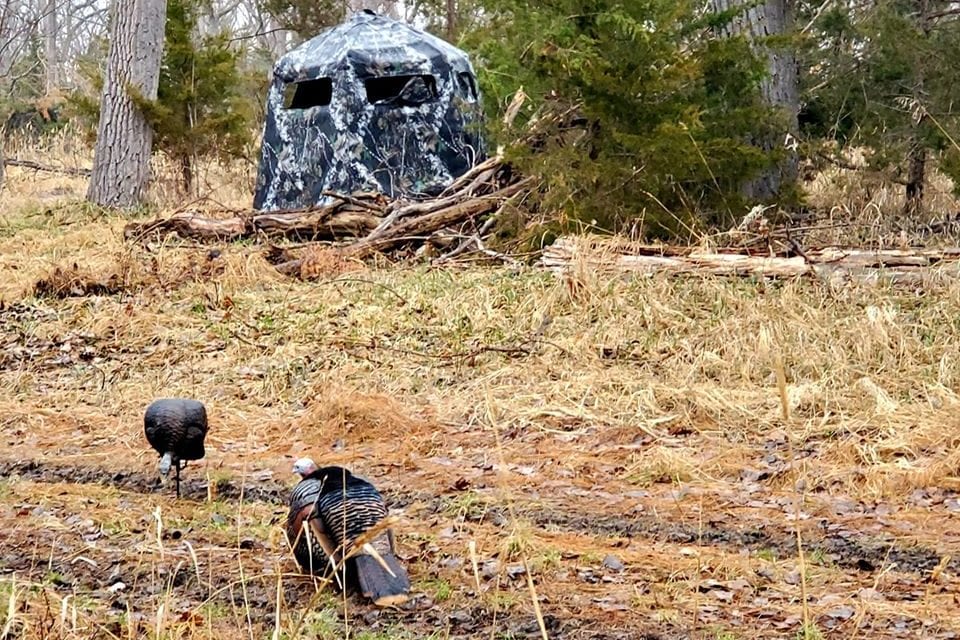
<point>642,423</point>
<point>863,207</point>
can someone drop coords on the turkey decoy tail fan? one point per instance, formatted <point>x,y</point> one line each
<point>379,574</point>
<point>386,584</point>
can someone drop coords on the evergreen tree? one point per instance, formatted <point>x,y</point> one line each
<point>881,77</point>
<point>201,108</point>
<point>306,18</point>
<point>667,113</point>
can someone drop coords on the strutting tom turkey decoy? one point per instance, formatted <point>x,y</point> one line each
<point>347,507</point>
<point>176,428</point>
<point>311,545</point>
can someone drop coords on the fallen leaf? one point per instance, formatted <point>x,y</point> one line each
<point>841,613</point>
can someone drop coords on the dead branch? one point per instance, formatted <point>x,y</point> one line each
<point>438,219</point>
<point>36,166</point>
<point>362,223</point>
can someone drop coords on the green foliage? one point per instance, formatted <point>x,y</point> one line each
<point>24,106</point>
<point>24,83</point>
<point>881,76</point>
<point>203,106</point>
<point>659,118</point>
<point>432,14</point>
<point>200,108</point>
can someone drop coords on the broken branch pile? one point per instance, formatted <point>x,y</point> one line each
<point>835,264</point>
<point>361,223</point>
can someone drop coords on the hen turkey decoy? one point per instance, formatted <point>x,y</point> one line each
<point>176,428</point>
<point>312,547</point>
<point>347,507</point>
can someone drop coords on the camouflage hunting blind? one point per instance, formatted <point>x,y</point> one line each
<point>370,105</point>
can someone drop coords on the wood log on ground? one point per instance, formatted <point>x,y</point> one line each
<point>345,223</point>
<point>830,263</point>
<point>412,228</point>
<point>343,219</point>
<point>188,224</point>
<point>362,223</point>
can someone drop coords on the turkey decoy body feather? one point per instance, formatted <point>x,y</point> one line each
<point>176,429</point>
<point>349,506</point>
<point>311,544</point>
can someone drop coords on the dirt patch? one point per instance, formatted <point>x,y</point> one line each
<point>142,482</point>
<point>849,550</point>
<point>22,347</point>
<point>862,553</point>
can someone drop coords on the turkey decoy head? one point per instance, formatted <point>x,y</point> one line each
<point>304,467</point>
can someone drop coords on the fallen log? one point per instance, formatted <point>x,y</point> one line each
<point>317,224</point>
<point>366,216</point>
<point>829,263</point>
<point>342,219</point>
<point>414,228</point>
<point>362,223</point>
<point>188,224</point>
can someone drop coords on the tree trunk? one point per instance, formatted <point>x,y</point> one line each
<point>451,20</point>
<point>186,174</point>
<point>917,152</point>
<point>51,58</point>
<point>121,162</point>
<point>779,88</point>
<point>916,177</point>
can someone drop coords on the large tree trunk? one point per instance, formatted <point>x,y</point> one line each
<point>916,177</point>
<point>121,162</point>
<point>779,88</point>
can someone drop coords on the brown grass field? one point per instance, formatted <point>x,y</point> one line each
<point>590,457</point>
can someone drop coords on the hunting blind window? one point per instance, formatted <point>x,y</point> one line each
<point>467,87</point>
<point>401,90</point>
<point>308,93</point>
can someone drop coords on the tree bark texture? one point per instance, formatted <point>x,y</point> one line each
<point>779,88</point>
<point>121,164</point>
<point>916,177</point>
<point>451,20</point>
<point>51,57</point>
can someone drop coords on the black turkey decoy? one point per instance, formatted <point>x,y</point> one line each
<point>176,428</point>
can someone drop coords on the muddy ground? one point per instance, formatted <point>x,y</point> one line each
<point>595,585</point>
<point>685,529</point>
